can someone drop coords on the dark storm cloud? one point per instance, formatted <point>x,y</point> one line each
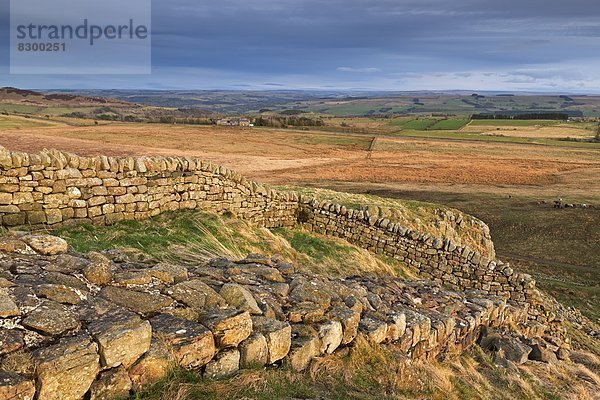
<point>377,43</point>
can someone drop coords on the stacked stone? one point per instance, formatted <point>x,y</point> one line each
<point>435,258</point>
<point>53,187</point>
<point>102,325</point>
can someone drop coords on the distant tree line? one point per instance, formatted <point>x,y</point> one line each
<point>169,119</point>
<point>278,121</point>
<point>545,115</point>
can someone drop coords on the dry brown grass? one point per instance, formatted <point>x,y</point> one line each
<point>547,132</point>
<point>287,156</point>
<point>369,371</point>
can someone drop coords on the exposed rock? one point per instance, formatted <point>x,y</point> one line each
<point>239,297</point>
<point>421,319</point>
<point>563,354</point>
<point>349,319</point>
<point>280,289</point>
<point>307,292</point>
<point>11,245</point>
<point>374,329</point>
<point>196,294</point>
<point>133,278</point>
<point>153,366</point>
<point>331,335</point>
<point>254,351</point>
<point>66,280</point>
<point>51,318</point>
<point>110,385</point>
<point>10,340</point>
<point>504,348</point>
<point>229,327</point>
<point>68,262</point>
<point>98,271</point>
<point>223,365</point>
<point>59,293</point>
<point>122,338</point>
<point>8,308</point>
<point>169,273</point>
<point>141,302</point>
<point>396,327</point>
<point>278,335</point>
<point>306,345</point>
<point>65,371</point>
<point>191,314</point>
<point>266,273</point>
<point>46,244</point>
<point>93,307</point>
<point>306,311</point>
<point>193,344</point>
<point>5,283</point>
<point>541,353</point>
<point>16,387</point>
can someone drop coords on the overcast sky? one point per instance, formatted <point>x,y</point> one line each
<point>530,45</point>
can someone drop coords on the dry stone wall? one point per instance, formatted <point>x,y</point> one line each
<point>435,258</point>
<point>101,325</point>
<point>54,187</point>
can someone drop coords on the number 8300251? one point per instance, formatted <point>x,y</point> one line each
<point>26,46</point>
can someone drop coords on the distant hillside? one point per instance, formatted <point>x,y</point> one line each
<point>344,103</point>
<point>10,95</point>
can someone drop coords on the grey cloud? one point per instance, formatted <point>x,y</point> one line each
<point>372,43</point>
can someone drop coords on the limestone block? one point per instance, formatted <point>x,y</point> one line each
<point>122,337</point>
<point>229,327</point>
<point>193,344</point>
<point>65,371</point>
<point>278,336</point>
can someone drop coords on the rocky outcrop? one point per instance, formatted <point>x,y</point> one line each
<point>125,334</point>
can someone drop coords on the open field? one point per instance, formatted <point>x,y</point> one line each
<point>14,122</point>
<point>419,124</point>
<point>513,122</point>
<point>288,156</point>
<point>450,124</point>
<point>498,181</point>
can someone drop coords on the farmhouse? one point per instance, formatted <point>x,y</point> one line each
<point>234,122</point>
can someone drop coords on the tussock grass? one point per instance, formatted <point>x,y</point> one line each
<point>370,371</point>
<point>194,237</point>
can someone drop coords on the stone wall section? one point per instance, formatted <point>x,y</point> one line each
<point>435,258</point>
<point>53,187</point>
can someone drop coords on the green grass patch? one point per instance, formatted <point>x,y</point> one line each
<point>419,124</point>
<point>449,124</point>
<point>192,237</point>
<point>183,236</point>
<point>19,108</point>
<point>514,122</point>
<point>316,247</point>
<point>399,121</point>
<point>8,122</point>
